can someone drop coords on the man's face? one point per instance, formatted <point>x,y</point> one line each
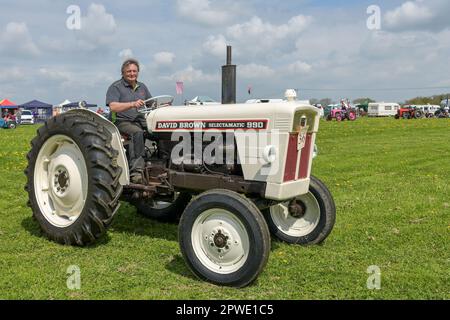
<point>130,73</point>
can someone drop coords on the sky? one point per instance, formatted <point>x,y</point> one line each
<point>323,48</point>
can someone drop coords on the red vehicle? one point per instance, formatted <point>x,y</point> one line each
<point>409,112</point>
<point>346,112</point>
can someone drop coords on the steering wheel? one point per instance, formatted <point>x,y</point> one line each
<point>155,103</point>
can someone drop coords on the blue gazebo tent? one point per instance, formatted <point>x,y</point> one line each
<point>41,110</point>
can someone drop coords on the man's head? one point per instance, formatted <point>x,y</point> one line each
<point>130,70</point>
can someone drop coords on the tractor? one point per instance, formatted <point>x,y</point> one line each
<point>409,112</point>
<point>227,210</point>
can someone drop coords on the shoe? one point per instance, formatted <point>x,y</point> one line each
<point>136,178</point>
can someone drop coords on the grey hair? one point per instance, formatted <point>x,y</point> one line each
<point>128,62</point>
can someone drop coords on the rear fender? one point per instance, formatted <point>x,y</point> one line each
<point>116,142</point>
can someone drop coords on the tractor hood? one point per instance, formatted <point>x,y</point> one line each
<point>283,116</point>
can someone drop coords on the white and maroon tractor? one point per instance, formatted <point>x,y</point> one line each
<point>232,174</point>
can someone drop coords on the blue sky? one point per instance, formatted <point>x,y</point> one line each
<point>323,48</point>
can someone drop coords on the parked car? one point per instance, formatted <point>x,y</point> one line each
<point>264,101</point>
<point>26,117</point>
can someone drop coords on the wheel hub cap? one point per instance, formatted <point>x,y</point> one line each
<point>298,217</point>
<point>60,180</point>
<point>220,241</point>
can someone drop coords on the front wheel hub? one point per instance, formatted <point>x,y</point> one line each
<point>297,209</point>
<point>220,240</point>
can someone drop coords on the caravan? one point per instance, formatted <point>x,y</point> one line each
<point>383,109</point>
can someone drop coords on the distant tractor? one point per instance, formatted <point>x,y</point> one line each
<point>409,112</point>
<point>341,114</point>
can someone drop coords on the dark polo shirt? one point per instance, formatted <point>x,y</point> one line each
<point>121,91</point>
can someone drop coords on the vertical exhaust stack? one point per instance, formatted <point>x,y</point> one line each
<point>229,80</point>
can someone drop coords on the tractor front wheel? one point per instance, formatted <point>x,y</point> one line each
<point>305,220</point>
<point>224,238</point>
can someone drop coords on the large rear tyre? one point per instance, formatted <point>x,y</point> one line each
<point>224,238</point>
<point>306,220</point>
<point>73,179</point>
<point>164,211</point>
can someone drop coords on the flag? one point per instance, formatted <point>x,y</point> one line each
<point>249,89</point>
<point>180,87</point>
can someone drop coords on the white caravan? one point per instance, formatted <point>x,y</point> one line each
<point>383,109</point>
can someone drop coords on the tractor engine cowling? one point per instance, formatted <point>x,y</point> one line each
<point>271,143</point>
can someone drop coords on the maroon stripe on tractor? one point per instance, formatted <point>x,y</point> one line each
<point>305,158</point>
<point>291,158</point>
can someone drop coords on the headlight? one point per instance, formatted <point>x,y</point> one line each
<point>270,154</point>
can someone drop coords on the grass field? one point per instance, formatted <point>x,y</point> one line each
<point>391,184</point>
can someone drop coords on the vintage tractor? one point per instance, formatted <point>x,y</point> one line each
<point>342,114</point>
<point>9,124</point>
<point>442,113</point>
<point>234,173</point>
<point>409,112</point>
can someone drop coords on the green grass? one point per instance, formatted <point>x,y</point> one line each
<point>390,181</point>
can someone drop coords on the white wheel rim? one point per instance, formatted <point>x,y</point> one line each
<point>297,227</point>
<point>220,241</point>
<point>60,181</point>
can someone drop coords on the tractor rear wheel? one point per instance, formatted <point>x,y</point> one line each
<point>164,211</point>
<point>306,220</point>
<point>73,179</point>
<point>224,238</point>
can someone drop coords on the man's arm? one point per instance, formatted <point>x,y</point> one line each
<point>124,106</point>
<point>112,98</point>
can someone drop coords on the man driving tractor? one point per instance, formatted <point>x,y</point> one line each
<point>124,97</point>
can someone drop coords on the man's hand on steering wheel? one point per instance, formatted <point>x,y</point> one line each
<point>138,104</point>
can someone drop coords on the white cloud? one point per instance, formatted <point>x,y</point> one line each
<point>419,15</point>
<point>215,45</point>
<point>164,58</point>
<point>200,11</point>
<point>251,71</point>
<point>299,67</point>
<point>98,28</point>
<point>54,75</point>
<point>258,31</point>
<point>126,54</point>
<point>191,75</point>
<point>16,39</point>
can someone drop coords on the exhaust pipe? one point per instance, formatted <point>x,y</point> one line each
<point>229,80</point>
